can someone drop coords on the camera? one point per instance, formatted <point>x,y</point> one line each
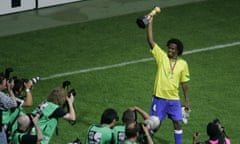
<point>153,123</point>
<point>7,72</point>
<point>72,91</point>
<point>33,80</point>
<point>142,138</point>
<point>65,85</point>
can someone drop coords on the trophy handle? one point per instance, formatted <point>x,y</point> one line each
<point>154,11</point>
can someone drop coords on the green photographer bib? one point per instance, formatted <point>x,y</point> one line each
<point>47,125</point>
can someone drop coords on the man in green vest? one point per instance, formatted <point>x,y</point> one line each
<point>102,133</point>
<point>129,116</point>
<point>52,109</point>
<point>22,135</point>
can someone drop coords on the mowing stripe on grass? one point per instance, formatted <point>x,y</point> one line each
<point>136,61</point>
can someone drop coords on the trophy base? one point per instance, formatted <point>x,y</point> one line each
<point>142,22</point>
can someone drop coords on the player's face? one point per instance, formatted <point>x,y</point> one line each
<point>172,50</point>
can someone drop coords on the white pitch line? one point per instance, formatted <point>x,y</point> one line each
<point>136,61</point>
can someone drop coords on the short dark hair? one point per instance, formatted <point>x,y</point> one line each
<point>132,132</point>
<point>178,43</point>
<point>108,116</point>
<point>213,131</point>
<point>18,86</point>
<point>129,116</point>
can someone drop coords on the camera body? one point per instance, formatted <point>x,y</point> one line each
<point>142,138</point>
<point>153,122</point>
<point>72,91</point>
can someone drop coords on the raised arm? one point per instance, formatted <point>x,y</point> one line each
<point>38,130</point>
<point>146,131</point>
<point>150,33</point>
<point>28,101</point>
<point>144,114</point>
<point>71,115</point>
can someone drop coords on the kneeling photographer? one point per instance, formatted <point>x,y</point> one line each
<point>22,134</point>
<point>130,119</point>
<point>134,131</point>
<point>22,90</point>
<point>53,108</point>
<point>215,132</point>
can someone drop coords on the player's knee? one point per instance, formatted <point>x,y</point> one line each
<point>177,125</point>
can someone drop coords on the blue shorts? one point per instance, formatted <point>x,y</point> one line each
<point>164,107</point>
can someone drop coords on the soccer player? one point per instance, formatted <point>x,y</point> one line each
<point>172,71</point>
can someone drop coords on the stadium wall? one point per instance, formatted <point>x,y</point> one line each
<point>13,6</point>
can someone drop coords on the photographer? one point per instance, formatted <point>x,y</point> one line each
<point>21,89</point>
<point>23,133</point>
<point>102,133</point>
<point>129,117</point>
<point>215,133</point>
<point>133,131</point>
<point>52,109</point>
<point>6,103</point>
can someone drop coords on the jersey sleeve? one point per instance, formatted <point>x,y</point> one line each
<point>185,74</point>
<point>158,53</point>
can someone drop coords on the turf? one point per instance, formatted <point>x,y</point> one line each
<point>214,85</point>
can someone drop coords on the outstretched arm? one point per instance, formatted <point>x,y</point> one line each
<point>140,111</point>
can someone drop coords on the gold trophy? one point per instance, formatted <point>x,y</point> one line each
<point>142,21</point>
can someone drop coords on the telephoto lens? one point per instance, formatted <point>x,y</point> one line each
<point>35,80</point>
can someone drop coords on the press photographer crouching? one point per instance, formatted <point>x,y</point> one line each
<point>215,132</point>
<point>15,88</point>
<point>23,135</point>
<point>130,119</point>
<point>21,89</point>
<point>52,109</point>
<point>6,103</point>
<point>133,132</point>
